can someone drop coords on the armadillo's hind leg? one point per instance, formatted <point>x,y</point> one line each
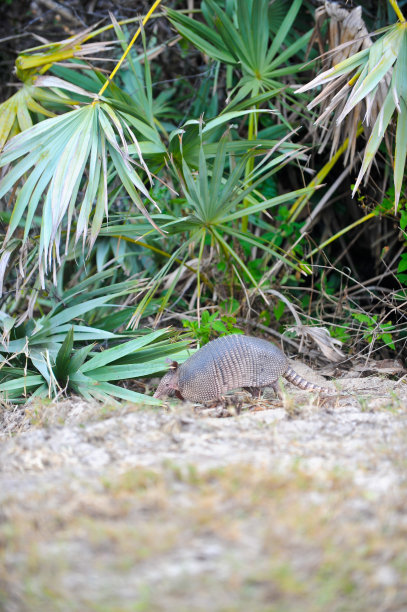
<point>255,392</point>
<point>277,389</point>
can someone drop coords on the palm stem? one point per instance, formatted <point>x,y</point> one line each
<point>250,165</point>
<point>343,231</point>
<point>397,10</point>
<point>198,277</point>
<point>131,43</point>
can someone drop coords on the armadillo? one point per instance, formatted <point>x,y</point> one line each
<point>227,363</point>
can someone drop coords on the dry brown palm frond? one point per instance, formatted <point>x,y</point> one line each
<point>330,347</point>
<point>346,35</point>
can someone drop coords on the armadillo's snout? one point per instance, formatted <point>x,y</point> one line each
<point>165,386</point>
<point>164,392</point>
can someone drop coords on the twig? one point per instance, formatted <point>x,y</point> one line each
<point>64,12</point>
<point>269,330</point>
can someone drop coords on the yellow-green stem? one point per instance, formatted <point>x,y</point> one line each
<point>198,278</point>
<point>250,164</point>
<point>338,234</point>
<point>131,43</point>
<point>165,254</point>
<point>299,204</point>
<point>397,10</point>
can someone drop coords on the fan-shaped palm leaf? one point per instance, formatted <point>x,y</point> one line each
<point>214,203</point>
<point>53,159</point>
<point>245,42</point>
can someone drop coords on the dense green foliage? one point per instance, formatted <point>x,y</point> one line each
<point>128,202</point>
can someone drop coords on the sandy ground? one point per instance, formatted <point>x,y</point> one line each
<point>301,507</point>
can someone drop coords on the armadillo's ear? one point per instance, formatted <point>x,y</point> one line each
<point>173,364</point>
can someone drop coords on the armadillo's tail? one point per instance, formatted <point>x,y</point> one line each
<point>300,382</point>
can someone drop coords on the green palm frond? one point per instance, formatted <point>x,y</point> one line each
<point>245,42</point>
<point>58,351</point>
<point>215,199</point>
<point>63,162</point>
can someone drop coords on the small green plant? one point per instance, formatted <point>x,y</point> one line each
<point>386,207</point>
<point>279,310</point>
<point>340,333</point>
<point>376,330</point>
<point>211,326</point>
<point>401,269</point>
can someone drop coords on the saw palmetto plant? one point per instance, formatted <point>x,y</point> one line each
<point>60,152</point>
<point>258,46</point>
<point>213,205</point>
<point>75,348</point>
<point>63,167</point>
<point>257,42</point>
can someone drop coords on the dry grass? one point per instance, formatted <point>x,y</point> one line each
<point>278,511</point>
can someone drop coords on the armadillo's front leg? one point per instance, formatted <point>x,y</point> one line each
<point>255,392</point>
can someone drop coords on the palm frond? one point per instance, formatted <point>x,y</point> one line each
<point>365,83</point>
<point>245,43</point>
<point>58,352</point>
<point>66,159</point>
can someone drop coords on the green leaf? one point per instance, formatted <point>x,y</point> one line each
<point>53,321</point>
<point>284,29</point>
<point>200,35</point>
<point>79,358</point>
<point>62,362</point>
<point>388,340</point>
<point>263,205</point>
<point>237,47</point>
<point>279,310</point>
<point>127,394</point>
<point>219,326</point>
<point>376,136</point>
<point>20,384</point>
<point>401,149</point>
<point>135,370</point>
<point>362,318</point>
<point>113,354</point>
<point>402,267</point>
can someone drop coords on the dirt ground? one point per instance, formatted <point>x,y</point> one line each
<point>300,507</point>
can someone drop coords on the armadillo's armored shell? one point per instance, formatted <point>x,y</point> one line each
<point>230,362</point>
